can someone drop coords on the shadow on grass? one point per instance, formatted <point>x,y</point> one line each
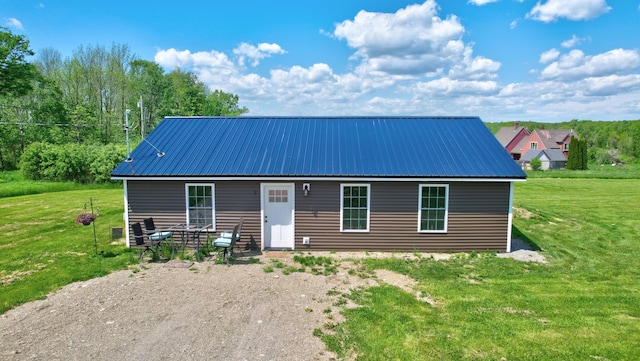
<point>516,233</point>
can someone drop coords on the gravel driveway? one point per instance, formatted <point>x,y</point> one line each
<point>168,312</point>
<point>171,312</point>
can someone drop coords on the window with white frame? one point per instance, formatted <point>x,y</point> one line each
<point>200,204</point>
<point>533,145</point>
<point>566,147</point>
<point>433,208</point>
<point>354,207</point>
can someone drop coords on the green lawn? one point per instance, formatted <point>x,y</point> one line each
<point>583,305</point>
<point>42,249</point>
<point>13,184</point>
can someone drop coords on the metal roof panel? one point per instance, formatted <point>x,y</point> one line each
<point>429,147</point>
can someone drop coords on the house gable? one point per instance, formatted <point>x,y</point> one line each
<point>511,137</point>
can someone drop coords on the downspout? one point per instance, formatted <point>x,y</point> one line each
<point>510,221</point>
<point>126,212</point>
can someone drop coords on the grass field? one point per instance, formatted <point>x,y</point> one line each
<point>13,184</point>
<point>42,249</point>
<point>583,305</point>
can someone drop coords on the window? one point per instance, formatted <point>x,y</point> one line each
<point>200,205</point>
<point>354,214</point>
<point>433,208</point>
<point>566,147</point>
<point>278,196</point>
<point>533,145</point>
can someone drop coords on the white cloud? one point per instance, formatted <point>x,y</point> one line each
<point>574,10</point>
<point>549,56</point>
<point>513,24</point>
<point>447,87</point>
<point>573,42</point>
<point>14,23</point>
<point>576,65</point>
<point>481,2</point>
<point>255,54</point>
<point>172,58</point>
<point>410,43</point>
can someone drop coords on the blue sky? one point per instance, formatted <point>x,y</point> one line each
<point>503,60</point>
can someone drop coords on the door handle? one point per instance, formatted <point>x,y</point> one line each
<point>265,219</point>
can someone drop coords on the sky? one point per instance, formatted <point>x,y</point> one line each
<point>501,60</point>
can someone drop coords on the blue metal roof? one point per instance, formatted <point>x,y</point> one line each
<point>422,147</point>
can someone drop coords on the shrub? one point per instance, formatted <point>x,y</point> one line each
<point>536,163</point>
<point>106,160</point>
<point>70,162</point>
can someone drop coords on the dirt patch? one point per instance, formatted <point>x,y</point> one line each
<point>522,213</point>
<point>168,312</point>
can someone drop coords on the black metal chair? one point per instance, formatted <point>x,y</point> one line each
<point>141,240</point>
<point>150,226</point>
<point>156,236</point>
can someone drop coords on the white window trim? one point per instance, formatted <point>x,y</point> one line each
<point>213,202</point>
<point>446,208</point>
<point>342,207</point>
<point>565,147</point>
<point>533,145</point>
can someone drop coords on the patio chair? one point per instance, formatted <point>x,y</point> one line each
<point>160,236</point>
<point>238,235</point>
<point>149,245</point>
<point>226,241</point>
<point>150,226</point>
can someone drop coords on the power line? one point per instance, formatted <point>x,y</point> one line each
<point>61,124</point>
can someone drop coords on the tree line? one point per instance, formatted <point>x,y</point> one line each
<point>83,98</point>
<point>606,142</point>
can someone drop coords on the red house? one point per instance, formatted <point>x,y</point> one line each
<point>549,139</point>
<point>511,138</point>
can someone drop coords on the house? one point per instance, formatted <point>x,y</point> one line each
<point>511,139</point>
<point>549,158</point>
<point>549,139</point>
<point>327,183</point>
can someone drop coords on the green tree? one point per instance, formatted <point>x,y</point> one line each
<point>221,103</point>
<point>149,84</point>
<point>16,74</point>
<point>577,159</point>
<point>187,94</point>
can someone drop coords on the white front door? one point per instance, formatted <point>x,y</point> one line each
<point>277,216</point>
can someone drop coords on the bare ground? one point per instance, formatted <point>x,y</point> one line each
<point>202,311</point>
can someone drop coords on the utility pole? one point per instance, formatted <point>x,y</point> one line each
<point>142,125</point>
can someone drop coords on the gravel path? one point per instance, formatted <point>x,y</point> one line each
<point>171,312</point>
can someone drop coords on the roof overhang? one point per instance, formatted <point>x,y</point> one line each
<point>316,178</point>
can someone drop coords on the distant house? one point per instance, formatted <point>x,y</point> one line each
<point>550,159</point>
<point>549,139</point>
<point>327,183</point>
<point>511,139</point>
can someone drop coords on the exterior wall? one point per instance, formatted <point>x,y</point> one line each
<point>533,137</point>
<point>478,214</point>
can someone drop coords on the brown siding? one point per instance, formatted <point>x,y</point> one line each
<point>478,214</point>
<point>165,202</point>
<point>478,218</point>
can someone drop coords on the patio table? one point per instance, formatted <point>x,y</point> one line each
<point>188,232</point>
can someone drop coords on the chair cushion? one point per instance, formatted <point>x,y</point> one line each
<point>228,235</point>
<point>222,242</point>
<point>160,236</point>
